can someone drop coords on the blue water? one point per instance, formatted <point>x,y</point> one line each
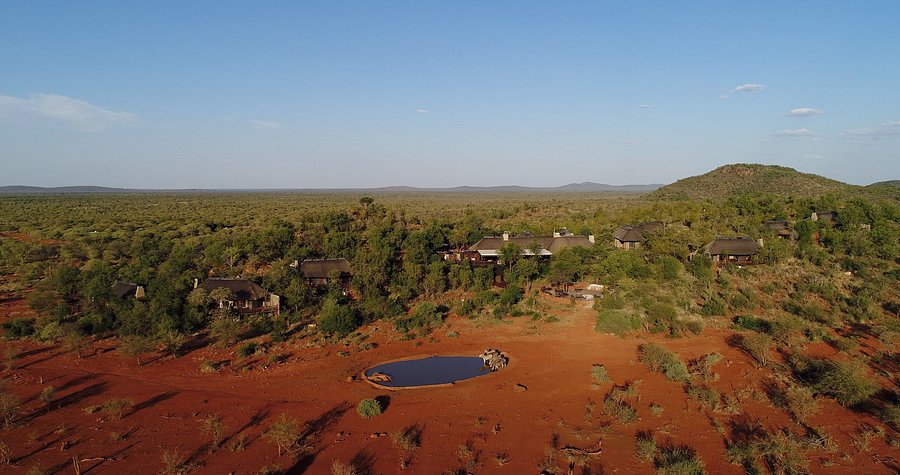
<point>431,370</point>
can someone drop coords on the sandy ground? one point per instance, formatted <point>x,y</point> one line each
<point>487,414</point>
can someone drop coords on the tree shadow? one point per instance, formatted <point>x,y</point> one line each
<point>194,344</point>
<point>254,421</point>
<point>113,456</point>
<point>313,428</point>
<point>42,448</point>
<point>151,402</point>
<point>384,401</point>
<point>36,351</point>
<point>363,461</point>
<point>41,360</point>
<point>74,398</point>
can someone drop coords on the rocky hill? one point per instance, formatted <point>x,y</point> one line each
<point>743,178</point>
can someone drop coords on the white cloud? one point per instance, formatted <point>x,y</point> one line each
<point>804,112</point>
<point>423,111</point>
<point>647,106</point>
<point>795,133</point>
<point>255,123</point>
<point>813,156</point>
<point>884,131</point>
<point>65,110</point>
<point>723,97</point>
<point>749,88</point>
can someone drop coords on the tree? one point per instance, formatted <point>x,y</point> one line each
<point>213,426</point>
<point>510,253</point>
<point>72,339</point>
<point>337,319</point>
<point>284,433</point>
<point>135,346</point>
<point>9,408</point>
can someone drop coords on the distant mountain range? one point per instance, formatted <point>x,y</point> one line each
<point>572,187</point>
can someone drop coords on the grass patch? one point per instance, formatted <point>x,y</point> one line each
<point>661,360</point>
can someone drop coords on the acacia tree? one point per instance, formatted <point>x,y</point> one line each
<point>284,433</point>
<point>509,254</point>
<point>135,346</point>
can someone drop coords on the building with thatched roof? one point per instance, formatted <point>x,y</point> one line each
<point>323,271</point>
<point>780,228</point>
<point>737,250</point>
<point>124,289</point>
<point>240,294</point>
<point>633,236</point>
<point>488,248</point>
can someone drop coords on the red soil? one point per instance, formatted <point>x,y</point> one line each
<point>553,360</point>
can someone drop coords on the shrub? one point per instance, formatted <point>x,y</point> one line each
<point>617,322</point>
<point>214,427</point>
<point>749,322</point>
<point>116,407</point>
<point>510,295</point>
<point>713,307</point>
<point>341,468</point>
<point>337,319</point>
<point>9,408</point>
<point>226,331</point>
<point>661,360</point>
<point>598,373</point>
<point>645,447</point>
<point>759,346</point>
<point>18,327</point>
<point>799,401</point>
<point>247,349</point>
<point>612,301</point>
<point>46,395</point>
<point>662,317</point>
<point>848,383</point>
<point>782,452</point>
<point>706,397</point>
<point>369,408</point>
<point>284,433</point>
<point>678,460</point>
<point>425,315</point>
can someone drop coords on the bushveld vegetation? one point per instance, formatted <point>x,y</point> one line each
<point>836,285</point>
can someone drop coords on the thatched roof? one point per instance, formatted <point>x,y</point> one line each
<point>321,268</point>
<point>241,289</point>
<point>779,227</point>
<point>638,232</point>
<point>740,246</point>
<point>124,289</point>
<point>489,246</point>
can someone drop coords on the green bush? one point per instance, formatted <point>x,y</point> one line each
<point>759,346</point>
<point>616,321</point>
<point>678,460</point>
<point>661,360</point>
<point>510,295</point>
<point>749,322</point>
<point>19,328</point>
<point>425,315</point>
<point>369,408</point>
<point>599,374</point>
<point>713,307</point>
<point>846,382</point>
<point>247,349</point>
<point>337,319</point>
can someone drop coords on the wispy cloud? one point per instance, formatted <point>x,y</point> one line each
<point>255,123</point>
<point>795,133</point>
<point>647,106</point>
<point>753,87</point>
<point>423,111</point>
<point>54,108</point>
<point>884,131</point>
<point>803,112</point>
<point>723,97</point>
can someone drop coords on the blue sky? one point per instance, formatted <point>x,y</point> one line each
<point>356,94</point>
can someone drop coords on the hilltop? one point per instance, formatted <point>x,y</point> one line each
<point>742,178</point>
